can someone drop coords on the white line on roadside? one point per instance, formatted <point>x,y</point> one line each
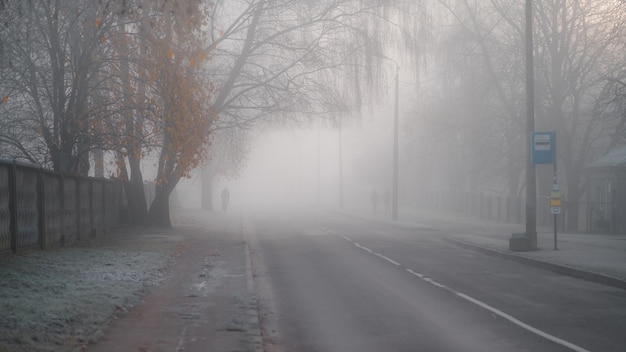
<point>363,248</point>
<point>377,254</point>
<point>334,233</point>
<point>346,238</point>
<point>327,230</point>
<point>522,324</point>
<point>433,282</point>
<point>493,310</point>
<point>501,314</point>
<point>387,259</point>
<point>421,276</point>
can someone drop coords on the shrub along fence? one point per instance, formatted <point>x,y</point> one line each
<point>41,208</point>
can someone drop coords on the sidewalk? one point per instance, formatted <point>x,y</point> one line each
<point>206,302</point>
<point>600,258</point>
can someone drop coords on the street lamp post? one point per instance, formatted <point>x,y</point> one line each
<point>394,190</point>
<point>340,169</point>
<point>318,168</point>
<point>394,195</point>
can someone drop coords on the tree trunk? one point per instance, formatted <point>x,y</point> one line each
<point>159,214</point>
<point>139,208</point>
<point>98,156</point>
<point>207,188</point>
<point>83,158</point>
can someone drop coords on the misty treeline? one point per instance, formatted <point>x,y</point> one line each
<point>467,130</point>
<point>122,85</point>
<point>125,85</point>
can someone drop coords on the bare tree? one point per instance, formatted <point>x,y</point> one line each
<point>144,77</point>
<point>579,43</point>
<point>297,61</point>
<point>54,50</point>
<point>612,108</point>
<point>475,114</point>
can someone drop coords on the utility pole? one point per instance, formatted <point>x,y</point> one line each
<point>531,181</point>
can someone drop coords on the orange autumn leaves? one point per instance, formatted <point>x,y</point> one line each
<point>184,123</point>
<point>169,93</point>
<point>181,98</point>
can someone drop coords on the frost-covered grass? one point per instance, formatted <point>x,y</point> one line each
<point>62,299</point>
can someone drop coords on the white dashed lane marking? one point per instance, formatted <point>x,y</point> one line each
<point>387,259</point>
<point>363,248</point>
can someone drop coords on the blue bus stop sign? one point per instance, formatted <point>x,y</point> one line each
<point>543,145</point>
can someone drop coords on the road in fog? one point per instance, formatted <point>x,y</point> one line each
<point>334,283</point>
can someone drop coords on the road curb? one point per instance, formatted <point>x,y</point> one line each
<point>557,268</point>
<point>255,334</point>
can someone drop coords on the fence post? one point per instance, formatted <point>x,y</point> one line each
<point>77,205</point>
<point>13,207</point>
<point>62,206</point>
<point>92,226</point>
<point>508,209</point>
<point>104,207</point>
<point>41,191</point>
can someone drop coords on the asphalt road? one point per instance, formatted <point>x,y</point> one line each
<point>327,282</point>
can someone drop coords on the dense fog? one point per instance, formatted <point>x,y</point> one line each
<point>301,167</point>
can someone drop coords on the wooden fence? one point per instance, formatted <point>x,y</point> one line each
<point>41,208</point>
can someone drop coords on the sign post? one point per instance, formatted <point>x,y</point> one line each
<point>544,152</point>
<point>555,203</point>
<point>555,190</point>
<point>543,147</point>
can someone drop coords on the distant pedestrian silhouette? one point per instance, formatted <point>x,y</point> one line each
<point>375,200</point>
<point>386,200</point>
<point>225,198</point>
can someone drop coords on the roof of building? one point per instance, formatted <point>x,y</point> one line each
<point>616,158</point>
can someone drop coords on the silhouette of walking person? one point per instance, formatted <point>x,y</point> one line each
<point>225,198</point>
<point>375,200</point>
<point>386,200</point>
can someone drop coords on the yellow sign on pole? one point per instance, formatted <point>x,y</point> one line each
<point>555,198</point>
